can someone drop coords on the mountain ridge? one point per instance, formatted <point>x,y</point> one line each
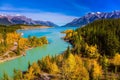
<point>92,16</point>
<point>12,20</point>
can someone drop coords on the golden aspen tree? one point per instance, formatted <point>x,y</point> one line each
<point>54,68</point>
<point>116,61</point>
<point>30,74</point>
<point>92,51</point>
<point>12,37</point>
<point>36,68</point>
<point>22,43</point>
<point>80,72</point>
<point>1,38</point>
<point>68,34</point>
<point>49,66</point>
<point>68,67</point>
<point>95,70</point>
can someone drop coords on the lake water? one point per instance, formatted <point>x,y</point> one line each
<point>56,46</point>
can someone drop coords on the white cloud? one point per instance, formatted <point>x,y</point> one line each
<point>36,14</point>
<point>57,18</point>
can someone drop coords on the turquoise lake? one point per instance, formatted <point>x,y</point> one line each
<point>56,46</point>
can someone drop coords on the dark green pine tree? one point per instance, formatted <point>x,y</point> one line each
<point>68,51</point>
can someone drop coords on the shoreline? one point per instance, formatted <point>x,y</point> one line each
<point>23,52</point>
<point>12,58</point>
<point>33,27</point>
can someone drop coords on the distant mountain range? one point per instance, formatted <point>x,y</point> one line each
<point>90,17</point>
<point>11,20</point>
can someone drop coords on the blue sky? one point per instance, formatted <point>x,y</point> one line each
<point>57,11</point>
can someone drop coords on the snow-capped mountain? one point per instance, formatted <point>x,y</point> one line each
<point>90,17</point>
<point>18,19</point>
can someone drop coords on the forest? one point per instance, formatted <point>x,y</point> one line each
<point>105,34</point>
<point>99,41</point>
<point>95,55</point>
<point>12,44</point>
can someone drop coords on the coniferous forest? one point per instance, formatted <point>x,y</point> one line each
<point>98,41</point>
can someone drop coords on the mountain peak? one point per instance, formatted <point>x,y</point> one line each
<point>18,15</point>
<point>92,16</point>
<point>98,12</point>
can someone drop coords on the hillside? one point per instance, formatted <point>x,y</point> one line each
<point>98,41</point>
<point>103,33</point>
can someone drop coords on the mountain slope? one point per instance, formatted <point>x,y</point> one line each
<point>46,23</point>
<point>4,20</point>
<point>90,17</point>
<point>10,20</point>
<point>22,20</point>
